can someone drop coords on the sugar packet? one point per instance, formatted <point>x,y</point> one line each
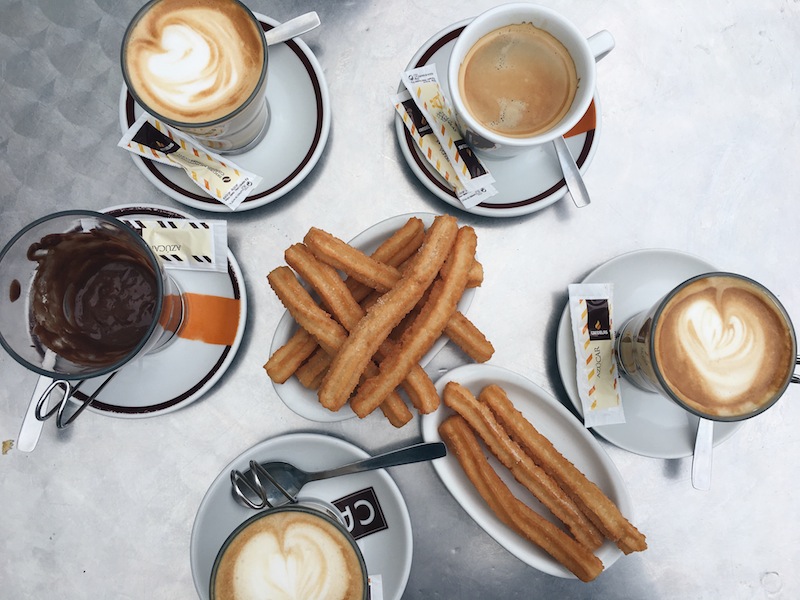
<point>186,244</point>
<point>153,139</point>
<point>420,130</point>
<point>590,307</point>
<point>423,86</point>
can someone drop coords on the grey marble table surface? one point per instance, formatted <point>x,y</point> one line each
<point>698,151</point>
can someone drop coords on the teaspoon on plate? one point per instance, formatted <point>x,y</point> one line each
<point>292,28</point>
<point>572,175</point>
<point>275,483</point>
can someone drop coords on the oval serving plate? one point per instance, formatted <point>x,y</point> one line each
<point>303,401</point>
<point>566,433</point>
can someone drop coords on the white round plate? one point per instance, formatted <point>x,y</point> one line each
<point>300,119</point>
<point>525,183</point>
<point>303,401</point>
<point>555,422</point>
<point>186,369</point>
<point>387,552</point>
<point>654,426</point>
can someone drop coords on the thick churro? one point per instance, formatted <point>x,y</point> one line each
<point>461,441</point>
<point>330,335</point>
<point>381,318</point>
<point>393,251</point>
<point>360,267</point>
<point>336,296</point>
<point>425,329</point>
<point>590,498</point>
<point>525,471</point>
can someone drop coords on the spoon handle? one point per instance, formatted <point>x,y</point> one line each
<point>572,175</point>
<point>404,456</point>
<point>703,451</point>
<point>292,28</point>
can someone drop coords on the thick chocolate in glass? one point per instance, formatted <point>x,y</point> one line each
<point>93,297</point>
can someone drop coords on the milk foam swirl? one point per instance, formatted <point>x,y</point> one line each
<point>726,348</point>
<point>303,563</point>
<point>194,63</point>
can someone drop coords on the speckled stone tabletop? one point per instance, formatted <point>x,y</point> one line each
<point>697,151</point>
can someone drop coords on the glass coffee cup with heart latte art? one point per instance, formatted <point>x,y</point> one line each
<point>720,345</point>
<point>294,552</point>
<point>200,66</point>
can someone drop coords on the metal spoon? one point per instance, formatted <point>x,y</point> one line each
<point>703,452</point>
<point>292,28</point>
<point>285,480</point>
<point>572,175</point>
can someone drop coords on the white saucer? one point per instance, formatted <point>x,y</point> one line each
<point>525,183</point>
<point>654,426</point>
<point>387,552</point>
<point>555,422</point>
<point>184,370</point>
<point>300,120</point>
<point>303,401</point>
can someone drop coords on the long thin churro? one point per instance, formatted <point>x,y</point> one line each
<point>525,471</point>
<point>589,498</point>
<point>380,319</point>
<point>425,329</point>
<point>461,441</point>
<point>330,335</point>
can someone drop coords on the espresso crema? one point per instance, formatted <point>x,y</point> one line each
<point>723,346</point>
<point>518,80</point>
<point>194,61</point>
<point>289,555</point>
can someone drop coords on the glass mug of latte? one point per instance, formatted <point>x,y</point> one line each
<point>521,75</point>
<point>720,345</point>
<point>201,67</point>
<point>296,551</point>
<point>83,295</point>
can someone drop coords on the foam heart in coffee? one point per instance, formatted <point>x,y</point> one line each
<point>723,347</point>
<point>290,555</point>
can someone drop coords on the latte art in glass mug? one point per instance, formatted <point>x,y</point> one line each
<point>290,553</point>
<point>200,66</point>
<point>720,345</point>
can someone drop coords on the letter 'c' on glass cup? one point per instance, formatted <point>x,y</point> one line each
<point>200,66</point>
<point>82,296</point>
<point>719,345</point>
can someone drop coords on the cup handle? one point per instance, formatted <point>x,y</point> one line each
<point>796,378</point>
<point>601,43</point>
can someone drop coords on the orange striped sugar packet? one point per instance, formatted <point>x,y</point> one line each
<point>423,85</point>
<point>218,177</point>
<point>596,369</point>
<point>428,144</point>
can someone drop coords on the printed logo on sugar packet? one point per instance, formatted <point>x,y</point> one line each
<point>362,513</point>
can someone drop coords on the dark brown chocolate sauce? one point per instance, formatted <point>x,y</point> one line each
<point>93,297</point>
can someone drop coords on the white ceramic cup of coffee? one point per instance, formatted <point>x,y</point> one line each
<point>299,550</point>
<point>200,66</point>
<point>583,52</point>
<point>719,345</point>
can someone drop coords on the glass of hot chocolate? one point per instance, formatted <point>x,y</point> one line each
<point>720,345</point>
<point>300,550</point>
<point>83,295</point>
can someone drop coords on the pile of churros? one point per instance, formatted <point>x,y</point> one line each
<point>588,515</point>
<point>375,316</point>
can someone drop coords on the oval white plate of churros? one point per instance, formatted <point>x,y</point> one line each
<point>566,434</point>
<point>304,401</point>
